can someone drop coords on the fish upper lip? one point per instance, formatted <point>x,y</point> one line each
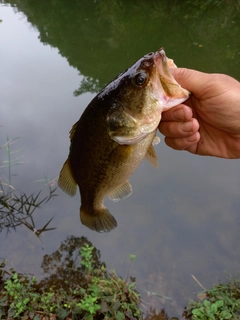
<point>160,55</point>
<point>160,60</point>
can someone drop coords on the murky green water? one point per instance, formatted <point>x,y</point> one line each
<point>183,218</point>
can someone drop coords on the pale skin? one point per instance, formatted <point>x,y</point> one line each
<point>208,123</point>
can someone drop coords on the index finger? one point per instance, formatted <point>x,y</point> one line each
<point>178,113</point>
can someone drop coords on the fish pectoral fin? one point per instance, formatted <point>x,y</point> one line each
<point>151,156</point>
<point>66,181</point>
<point>121,192</point>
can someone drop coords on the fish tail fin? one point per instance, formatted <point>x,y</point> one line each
<point>100,220</point>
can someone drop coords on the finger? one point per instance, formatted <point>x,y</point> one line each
<point>175,129</point>
<point>178,113</point>
<point>188,143</point>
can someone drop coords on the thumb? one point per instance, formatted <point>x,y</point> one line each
<point>192,80</point>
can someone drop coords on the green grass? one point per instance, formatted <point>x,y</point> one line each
<point>221,302</point>
<point>17,208</point>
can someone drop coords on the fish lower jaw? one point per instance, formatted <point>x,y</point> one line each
<point>166,102</point>
<point>161,100</point>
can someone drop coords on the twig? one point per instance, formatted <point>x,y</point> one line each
<point>194,278</point>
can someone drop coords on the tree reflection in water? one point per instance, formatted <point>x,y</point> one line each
<point>64,265</point>
<point>65,269</point>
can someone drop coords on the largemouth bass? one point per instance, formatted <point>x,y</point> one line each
<point>114,134</point>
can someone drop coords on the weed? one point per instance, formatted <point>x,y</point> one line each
<point>98,294</point>
<point>221,302</point>
<point>102,295</point>
<point>86,254</point>
<point>17,209</point>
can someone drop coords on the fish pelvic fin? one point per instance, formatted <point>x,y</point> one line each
<point>121,192</point>
<point>66,181</point>
<point>99,220</point>
<point>151,156</point>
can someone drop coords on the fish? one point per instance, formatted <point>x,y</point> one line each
<point>115,132</point>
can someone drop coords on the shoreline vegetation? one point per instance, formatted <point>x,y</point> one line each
<point>82,288</point>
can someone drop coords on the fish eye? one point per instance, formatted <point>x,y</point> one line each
<point>140,78</point>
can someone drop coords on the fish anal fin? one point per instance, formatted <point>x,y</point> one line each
<point>66,181</point>
<point>121,192</point>
<point>99,220</point>
<point>151,156</point>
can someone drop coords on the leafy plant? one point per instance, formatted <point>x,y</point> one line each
<point>101,295</point>
<point>219,303</point>
<point>20,293</point>
<point>86,254</point>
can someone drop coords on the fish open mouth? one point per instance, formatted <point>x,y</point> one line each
<point>172,89</point>
<point>162,63</point>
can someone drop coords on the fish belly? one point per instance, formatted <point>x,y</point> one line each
<point>120,165</point>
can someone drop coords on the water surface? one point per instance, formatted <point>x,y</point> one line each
<point>183,218</point>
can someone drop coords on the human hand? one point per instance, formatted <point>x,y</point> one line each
<point>208,123</point>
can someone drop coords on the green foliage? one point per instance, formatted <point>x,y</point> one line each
<point>19,295</point>
<point>102,295</point>
<point>220,303</point>
<point>86,254</point>
<point>132,257</point>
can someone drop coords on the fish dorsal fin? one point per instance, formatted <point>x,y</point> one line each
<point>73,130</point>
<point>66,181</point>
<point>151,156</point>
<point>121,192</point>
